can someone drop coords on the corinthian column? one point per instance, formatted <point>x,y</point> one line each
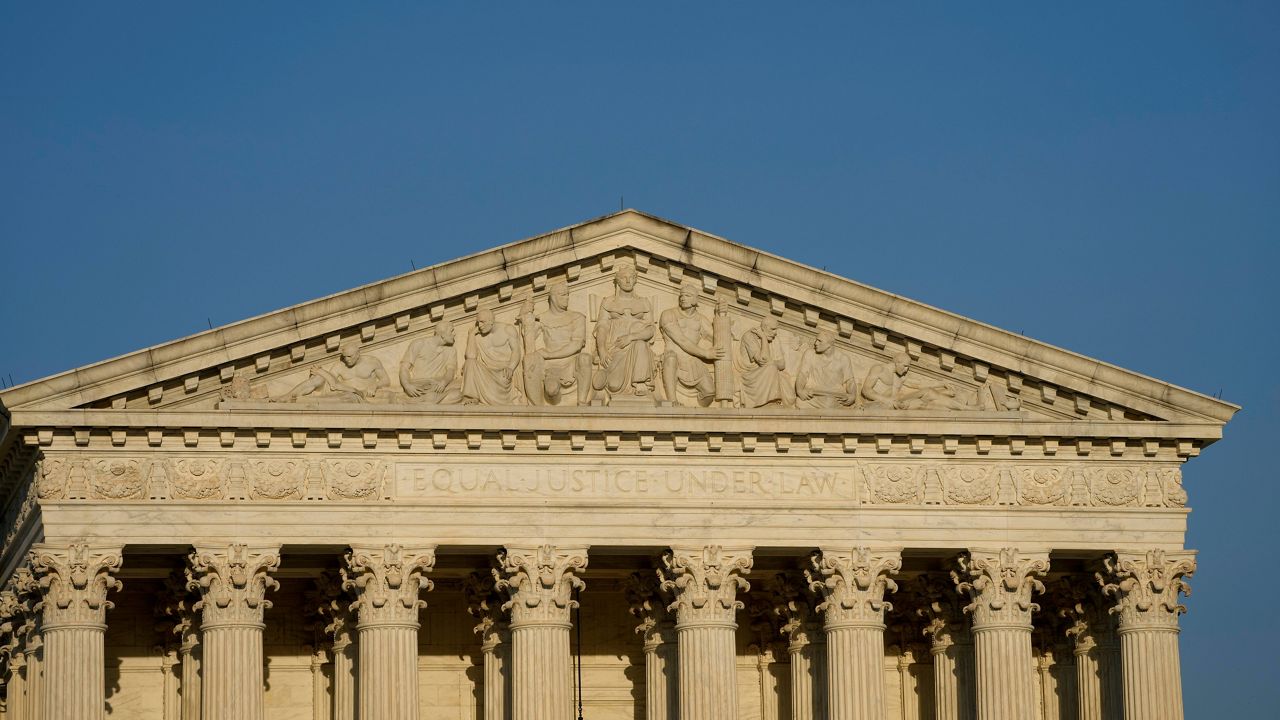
<point>179,620</point>
<point>852,586</point>
<point>1146,587</point>
<point>806,646</point>
<point>1097,655</point>
<point>484,603</point>
<point>999,584</point>
<point>540,582</point>
<point>388,582</point>
<point>75,580</point>
<point>333,605</point>
<point>704,581</point>
<point>951,646</point>
<point>232,581</point>
<point>657,626</point>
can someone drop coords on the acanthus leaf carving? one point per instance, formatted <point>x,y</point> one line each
<point>540,582</point>
<point>485,604</point>
<point>117,479</point>
<point>233,581</point>
<point>970,484</point>
<point>197,479</point>
<point>355,479</point>
<point>1115,486</point>
<point>388,581</point>
<point>1043,485</point>
<point>941,608</point>
<point>277,479</point>
<point>704,581</point>
<point>648,603</point>
<point>853,584</point>
<point>1000,585</point>
<point>74,581</point>
<point>1147,586</point>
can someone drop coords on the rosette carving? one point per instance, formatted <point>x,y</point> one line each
<point>1147,587</point>
<point>540,582</point>
<point>197,479</point>
<point>1000,584</point>
<point>896,484</point>
<point>117,479</point>
<point>704,582</point>
<point>970,484</point>
<point>1042,485</point>
<point>1115,486</point>
<point>648,603</point>
<point>388,582</point>
<point>74,581</point>
<point>233,582</point>
<point>853,584</point>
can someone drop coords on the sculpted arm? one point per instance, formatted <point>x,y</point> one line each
<point>411,388</point>
<point>577,341</point>
<point>670,324</point>
<point>380,377</point>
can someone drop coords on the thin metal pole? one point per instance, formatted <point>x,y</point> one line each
<point>577,610</point>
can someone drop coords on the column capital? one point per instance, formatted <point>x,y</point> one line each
<point>853,583</point>
<point>74,581</point>
<point>796,605</point>
<point>650,604</point>
<point>1146,586</point>
<point>704,581</point>
<point>332,606</point>
<point>999,584</point>
<point>388,581</point>
<point>942,610</point>
<point>176,614</point>
<point>233,581</point>
<point>1088,620</point>
<point>484,603</point>
<point>540,580</point>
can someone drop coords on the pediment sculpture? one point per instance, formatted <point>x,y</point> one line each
<point>695,352</point>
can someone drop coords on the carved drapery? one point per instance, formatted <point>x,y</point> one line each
<point>540,582</point>
<point>1146,588</point>
<point>999,584</point>
<point>74,581</point>
<point>233,581</point>
<point>852,586</point>
<point>704,581</point>
<point>648,603</point>
<point>388,581</point>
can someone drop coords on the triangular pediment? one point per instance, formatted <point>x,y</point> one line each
<point>293,357</point>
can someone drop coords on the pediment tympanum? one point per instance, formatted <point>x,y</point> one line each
<point>626,311</point>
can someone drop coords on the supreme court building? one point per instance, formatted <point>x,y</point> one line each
<point>626,461</point>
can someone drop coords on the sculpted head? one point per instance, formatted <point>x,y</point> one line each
<point>484,321</point>
<point>350,352</point>
<point>444,331</point>
<point>624,274</point>
<point>769,328</point>
<point>558,294</point>
<point>901,362</point>
<point>824,341</point>
<point>688,295</point>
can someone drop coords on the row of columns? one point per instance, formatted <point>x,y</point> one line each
<point>53,618</point>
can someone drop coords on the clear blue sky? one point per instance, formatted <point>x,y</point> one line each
<point>1105,177</point>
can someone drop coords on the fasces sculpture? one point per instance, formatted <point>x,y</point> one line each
<point>624,330</point>
<point>558,362</point>
<point>355,378</point>
<point>825,377</point>
<point>429,369</point>
<point>764,380</point>
<point>493,354</point>
<point>691,349</point>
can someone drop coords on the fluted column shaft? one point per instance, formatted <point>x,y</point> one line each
<point>1000,584</point>
<point>853,585</point>
<point>344,679</point>
<point>541,582</point>
<point>232,581</point>
<point>75,580</point>
<point>1146,587</point>
<point>953,681</point>
<point>497,672</point>
<point>704,581</point>
<point>808,676</point>
<point>650,605</point>
<point>172,687</point>
<point>388,582</point>
<point>662,684</point>
<point>16,692</point>
<point>189,686</point>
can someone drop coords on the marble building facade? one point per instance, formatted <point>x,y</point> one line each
<point>626,463</point>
